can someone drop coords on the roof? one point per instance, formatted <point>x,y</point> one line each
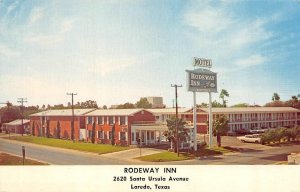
<point>17,122</point>
<point>114,112</point>
<point>250,109</point>
<point>63,112</point>
<point>167,110</point>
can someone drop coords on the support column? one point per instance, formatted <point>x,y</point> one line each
<point>134,137</point>
<point>146,139</point>
<point>140,136</point>
<point>160,137</point>
<point>210,123</point>
<point>195,122</point>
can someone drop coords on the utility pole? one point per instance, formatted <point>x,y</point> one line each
<point>22,101</point>
<point>176,119</point>
<point>72,122</point>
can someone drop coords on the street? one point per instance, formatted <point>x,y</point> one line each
<point>249,154</point>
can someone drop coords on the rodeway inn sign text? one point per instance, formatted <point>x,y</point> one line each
<point>201,80</point>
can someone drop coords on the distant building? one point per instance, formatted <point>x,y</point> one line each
<point>16,126</point>
<point>157,102</point>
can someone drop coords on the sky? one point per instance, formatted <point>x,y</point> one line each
<point>117,51</point>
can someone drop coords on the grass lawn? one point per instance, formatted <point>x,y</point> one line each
<point>7,159</point>
<point>172,156</point>
<point>88,147</point>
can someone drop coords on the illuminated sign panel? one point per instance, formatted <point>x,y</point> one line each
<point>201,80</point>
<point>200,62</point>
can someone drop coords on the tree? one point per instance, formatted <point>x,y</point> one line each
<point>275,97</point>
<point>171,133</point>
<point>33,128</point>
<point>224,93</point>
<point>143,103</point>
<point>58,130</point>
<point>10,113</point>
<point>48,129</point>
<point>220,127</point>
<point>113,134</point>
<point>126,106</point>
<point>276,104</point>
<point>93,132</point>
<point>89,104</point>
<point>241,105</point>
<point>104,107</point>
<point>202,105</point>
<point>216,104</point>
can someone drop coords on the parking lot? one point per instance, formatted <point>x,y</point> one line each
<point>232,141</point>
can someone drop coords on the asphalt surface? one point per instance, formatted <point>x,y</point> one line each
<point>249,154</point>
<point>59,156</point>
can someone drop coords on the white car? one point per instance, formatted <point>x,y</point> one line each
<point>255,138</point>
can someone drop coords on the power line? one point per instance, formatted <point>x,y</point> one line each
<point>22,101</point>
<point>72,123</point>
<point>176,119</point>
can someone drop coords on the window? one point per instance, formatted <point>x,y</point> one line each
<point>111,120</point>
<point>109,135</point>
<point>90,120</point>
<point>122,120</point>
<point>100,120</point>
<point>123,136</point>
<point>100,135</point>
<point>90,134</point>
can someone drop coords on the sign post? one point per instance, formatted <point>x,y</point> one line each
<point>210,123</point>
<point>23,153</point>
<point>202,80</point>
<point>195,121</point>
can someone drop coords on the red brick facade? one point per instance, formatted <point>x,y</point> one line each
<point>122,130</point>
<point>40,126</point>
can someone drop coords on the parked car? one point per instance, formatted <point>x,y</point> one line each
<point>254,138</point>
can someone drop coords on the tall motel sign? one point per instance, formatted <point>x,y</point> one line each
<point>202,80</point>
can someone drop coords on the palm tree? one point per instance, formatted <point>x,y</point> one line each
<point>224,93</point>
<point>171,133</point>
<point>275,97</point>
<point>220,127</point>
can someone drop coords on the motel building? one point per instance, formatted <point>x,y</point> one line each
<point>126,126</point>
<point>248,117</point>
<point>59,123</point>
<point>16,126</point>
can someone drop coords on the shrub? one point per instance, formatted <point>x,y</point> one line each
<point>275,135</point>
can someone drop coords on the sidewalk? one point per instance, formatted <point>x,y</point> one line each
<point>132,153</point>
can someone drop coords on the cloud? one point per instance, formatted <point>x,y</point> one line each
<point>208,20</point>
<point>106,66</point>
<point>228,39</point>
<point>12,7</point>
<point>63,28</point>
<point>36,14</point>
<point>8,52</point>
<point>251,61</point>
